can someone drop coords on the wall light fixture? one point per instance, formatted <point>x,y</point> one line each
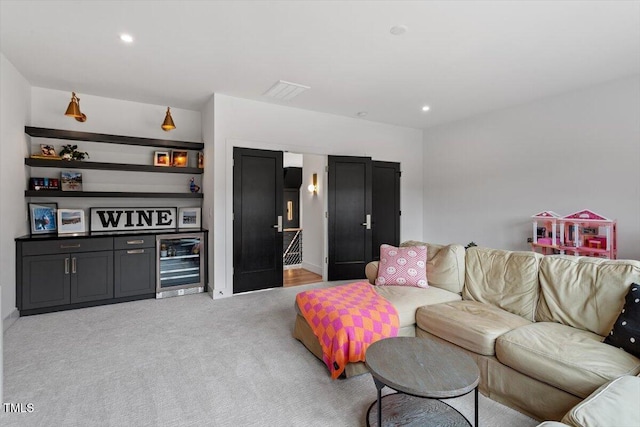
<point>313,187</point>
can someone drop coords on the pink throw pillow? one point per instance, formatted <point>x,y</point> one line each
<point>402,266</point>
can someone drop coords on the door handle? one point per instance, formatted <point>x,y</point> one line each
<point>70,246</point>
<point>279,224</point>
<point>367,222</point>
<point>73,265</point>
<point>66,266</point>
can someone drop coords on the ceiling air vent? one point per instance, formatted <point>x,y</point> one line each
<point>285,91</point>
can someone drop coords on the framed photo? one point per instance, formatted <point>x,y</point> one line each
<point>189,217</point>
<point>71,221</point>
<point>42,218</point>
<point>71,181</point>
<point>161,158</point>
<point>201,160</point>
<point>179,159</point>
<point>48,150</point>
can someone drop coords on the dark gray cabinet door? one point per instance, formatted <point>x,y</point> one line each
<point>45,280</point>
<point>135,272</point>
<point>91,276</point>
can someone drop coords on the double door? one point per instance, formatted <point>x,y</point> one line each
<point>364,212</point>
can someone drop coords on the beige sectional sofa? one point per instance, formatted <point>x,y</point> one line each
<point>534,324</point>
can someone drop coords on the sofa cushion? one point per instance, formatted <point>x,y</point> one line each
<point>472,325</point>
<point>626,331</point>
<point>584,292</point>
<point>407,299</point>
<point>570,359</point>
<point>615,403</point>
<point>404,266</point>
<point>505,279</point>
<point>445,265</point>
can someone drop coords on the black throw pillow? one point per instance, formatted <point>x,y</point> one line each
<point>626,331</point>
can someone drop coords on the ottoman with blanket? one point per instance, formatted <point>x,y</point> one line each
<point>445,277</point>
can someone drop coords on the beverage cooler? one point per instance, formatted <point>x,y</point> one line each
<point>181,264</point>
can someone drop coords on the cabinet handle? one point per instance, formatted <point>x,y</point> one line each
<point>73,265</point>
<point>136,251</point>
<point>70,246</point>
<point>66,266</point>
<point>135,242</point>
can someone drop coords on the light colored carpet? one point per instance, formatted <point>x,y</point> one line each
<point>186,361</point>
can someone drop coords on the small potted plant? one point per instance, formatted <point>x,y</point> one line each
<point>70,152</point>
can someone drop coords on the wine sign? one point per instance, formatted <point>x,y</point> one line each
<point>131,219</point>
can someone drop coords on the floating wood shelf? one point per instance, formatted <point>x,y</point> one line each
<point>123,194</point>
<point>74,164</point>
<point>112,139</point>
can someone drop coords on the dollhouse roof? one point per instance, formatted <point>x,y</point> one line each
<point>547,214</point>
<point>586,215</point>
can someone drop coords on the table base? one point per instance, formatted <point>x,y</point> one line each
<point>406,410</point>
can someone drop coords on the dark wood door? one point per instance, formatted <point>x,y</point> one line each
<point>134,272</point>
<point>91,276</point>
<point>257,224</point>
<point>350,234</point>
<point>386,205</point>
<point>45,281</point>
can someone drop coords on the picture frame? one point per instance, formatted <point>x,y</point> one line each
<point>70,181</point>
<point>42,218</point>
<point>189,217</point>
<point>161,158</point>
<point>179,158</point>
<point>48,150</point>
<point>71,221</point>
<point>200,160</point>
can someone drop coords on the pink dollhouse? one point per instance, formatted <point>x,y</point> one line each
<point>583,233</point>
<point>545,232</point>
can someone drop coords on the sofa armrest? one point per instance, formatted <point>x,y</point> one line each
<point>371,271</point>
<point>615,403</point>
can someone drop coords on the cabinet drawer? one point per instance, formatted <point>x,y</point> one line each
<point>134,242</point>
<point>67,246</point>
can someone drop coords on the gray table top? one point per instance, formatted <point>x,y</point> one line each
<point>422,367</point>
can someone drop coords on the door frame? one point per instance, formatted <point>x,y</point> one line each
<point>227,241</point>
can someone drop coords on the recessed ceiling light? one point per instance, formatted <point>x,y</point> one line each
<point>398,30</point>
<point>361,113</point>
<point>426,108</point>
<point>127,38</point>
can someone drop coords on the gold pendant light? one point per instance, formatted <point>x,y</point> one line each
<point>168,125</point>
<point>73,110</point>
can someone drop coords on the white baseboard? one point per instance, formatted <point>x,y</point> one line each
<point>312,268</point>
<point>10,319</point>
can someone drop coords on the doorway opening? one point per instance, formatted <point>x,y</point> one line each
<point>303,219</point>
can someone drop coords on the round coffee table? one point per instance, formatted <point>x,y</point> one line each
<point>420,368</point>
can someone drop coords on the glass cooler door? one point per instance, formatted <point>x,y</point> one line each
<point>179,261</point>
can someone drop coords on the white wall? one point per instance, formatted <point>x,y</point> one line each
<point>245,123</point>
<point>484,177</point>
<point>313,221</point>
<point>14,115</point>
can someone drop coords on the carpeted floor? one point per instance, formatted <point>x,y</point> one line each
<point>186,361</point>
